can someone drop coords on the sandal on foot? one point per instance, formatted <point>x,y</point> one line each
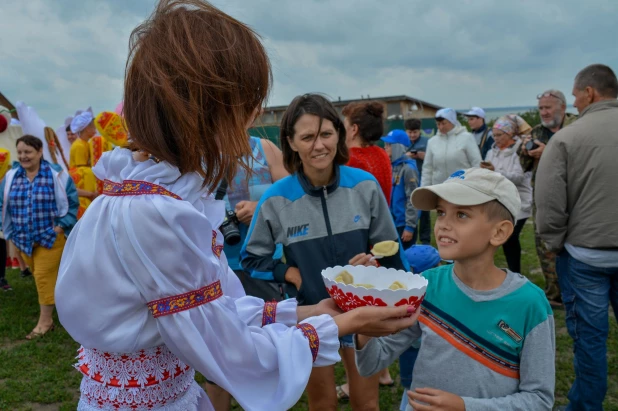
<point>387,384</point>
<point>341,394</point>
<point>35,334</point>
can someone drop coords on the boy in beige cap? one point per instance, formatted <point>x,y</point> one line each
<point>487,334</point>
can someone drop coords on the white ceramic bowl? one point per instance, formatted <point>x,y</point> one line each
<point>349,296</point>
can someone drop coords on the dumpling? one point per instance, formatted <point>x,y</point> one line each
<point>385,248</point>
<point>345,277</point>
<point>396,286</point>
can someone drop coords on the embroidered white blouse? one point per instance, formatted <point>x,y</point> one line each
<point>129,251</point>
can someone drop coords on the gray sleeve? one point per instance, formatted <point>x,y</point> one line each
<point>259,247</point>
<point>380,353</point>
<point>411,182</point>
<point>537,377</point>
<point>382,227</point>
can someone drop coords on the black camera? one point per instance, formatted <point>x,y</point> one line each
<point>531,145</point>
<point>229,228</point>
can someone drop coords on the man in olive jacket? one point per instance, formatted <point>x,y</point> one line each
<point>577,217</point>
<point>552,109</point>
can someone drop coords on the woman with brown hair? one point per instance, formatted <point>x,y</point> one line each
<point>164,302</point>
<point>364,126</point>
<point>39,208</point>
<point>324,215</point>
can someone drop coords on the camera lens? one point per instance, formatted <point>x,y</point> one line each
<point>229,229</point>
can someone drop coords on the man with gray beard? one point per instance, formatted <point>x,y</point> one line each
<point>552,108</point>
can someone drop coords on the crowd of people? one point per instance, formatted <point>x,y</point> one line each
<point>214,240</point>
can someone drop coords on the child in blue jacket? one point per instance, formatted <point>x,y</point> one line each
<point>405,181</point>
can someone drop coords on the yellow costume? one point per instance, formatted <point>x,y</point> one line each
<point>111,127</point>
<point>80,154</point>
<point>5,162</point>
<point>98,146</point>
<point>81,172</point>
<point>84,155</point>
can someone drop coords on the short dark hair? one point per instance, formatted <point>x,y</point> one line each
<point>316,105</point>
<point>31,141</point>
<point>412,124</point>
<point>495,211</point>
<point>68,129</point>
<point>600,77</point>
<point>369,117</point>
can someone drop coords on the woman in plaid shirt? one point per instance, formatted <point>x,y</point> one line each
<point>39,208</point>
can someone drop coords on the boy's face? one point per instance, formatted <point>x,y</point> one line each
<point>462,232</point>
<point>389,150</point>
<point>413,134</point>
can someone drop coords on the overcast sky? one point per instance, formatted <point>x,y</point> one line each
<point>62,55</point>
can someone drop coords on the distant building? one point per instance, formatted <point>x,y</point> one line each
<point>396,108</point>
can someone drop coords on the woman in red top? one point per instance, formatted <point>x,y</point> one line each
<point>364,125</point>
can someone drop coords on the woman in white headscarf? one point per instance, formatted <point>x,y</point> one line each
<point>80,160</point>
<point>452,148</point>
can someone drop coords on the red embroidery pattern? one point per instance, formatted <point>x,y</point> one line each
<point>186,301</point>
<point>312,335</point>
<point>270,313</point>
<point>97,152</point>
<point>141,380</point>
<point>216,249</point>
<point>135,188</point>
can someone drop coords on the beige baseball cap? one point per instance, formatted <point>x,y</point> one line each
<point>470,187</point>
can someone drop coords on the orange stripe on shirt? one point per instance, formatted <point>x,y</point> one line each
<point>466,349</point>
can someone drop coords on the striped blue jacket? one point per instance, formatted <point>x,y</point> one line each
<point>319,227</point>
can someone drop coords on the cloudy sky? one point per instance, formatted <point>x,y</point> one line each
<point>62,55</point>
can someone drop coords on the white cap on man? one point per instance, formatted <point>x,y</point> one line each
<point>476,112</point>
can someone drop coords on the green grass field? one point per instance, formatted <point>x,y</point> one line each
<point>38,375</point>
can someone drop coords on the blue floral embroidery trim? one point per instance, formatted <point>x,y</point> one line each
<point>135,188</point>
<point>312,335</point>
<point>270,313</point>
<point>186,301</point>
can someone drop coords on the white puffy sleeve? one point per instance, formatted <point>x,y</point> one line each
<point>170,253</point>
<point>257,312</point>
<point>251,310</point>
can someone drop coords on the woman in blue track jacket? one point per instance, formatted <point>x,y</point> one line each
<point>324,214</point>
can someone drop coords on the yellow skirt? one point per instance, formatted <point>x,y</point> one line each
<point>44,264</point>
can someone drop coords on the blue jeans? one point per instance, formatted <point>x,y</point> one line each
<point>347,341</point>
<point>587,292</point>
<point>406,365</point>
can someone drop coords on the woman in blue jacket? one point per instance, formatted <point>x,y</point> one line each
<point>324,214</point>
<point>39,208</point>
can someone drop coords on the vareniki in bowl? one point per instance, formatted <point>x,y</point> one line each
<point>380,286</point>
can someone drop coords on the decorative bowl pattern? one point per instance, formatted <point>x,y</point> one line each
<point>350,296</point>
